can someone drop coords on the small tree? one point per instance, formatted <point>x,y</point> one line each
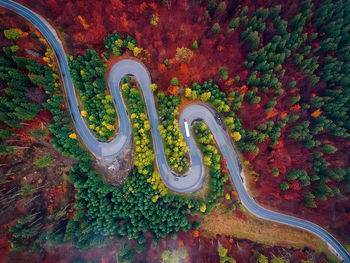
<point>166,62</point>
<point>284,186</point>
<point>174,82</point>
<point>255,100</point>
<point>215,29</point>
<point>263,259</point>
<point>329,149</point>
<point>234,23</point>
<point>195,45</point>
<point>223,73</point>
<point>292,84</point>
<point>153,87</point>
<point>309,201</point>
<point>274,171</point>
<point>294,100</point>
<point>221,7</point>
<point>12,34</point>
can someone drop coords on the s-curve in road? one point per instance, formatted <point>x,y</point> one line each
<point>194,179</point>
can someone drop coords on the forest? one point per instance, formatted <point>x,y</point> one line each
<point>278,76</point>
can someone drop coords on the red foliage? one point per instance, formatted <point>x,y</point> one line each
<point>301,255</point>
<point>43,116</point>
<point>42,62</point>
<point>241,215</point>
<point>55,195</point>
<point>4,248</point>
<point>249,156</point>
<point>295,185</point>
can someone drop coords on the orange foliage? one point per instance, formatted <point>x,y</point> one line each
<point>195,233</point>
<point>124,21</point>
<point>220,48</point>
<point>184,69</point>
<point>283,115</point>
<point>229,81</point>
<point>83,22</point>
<point>316,113</point>
<point>271,114</point>
<point>173,90</point>
<point>288,197</point>
<point>37,32</point>
<point>142,7</point>
<point>279,145</point>
<point>172,61</point>
<point>79,37</point>
<point>224,166</point>
<point>230,100</point>
<point>19,31</point>
<point>50,209</point>
<point>234,193</point>
<point>243,90</point>
<point>65,188</point>
<point>153,6</point>
<point>296,107</point>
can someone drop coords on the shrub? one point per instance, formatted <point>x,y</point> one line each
<point>44,161</point>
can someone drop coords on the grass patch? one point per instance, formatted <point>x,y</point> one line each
<point>44,161</point>
<point>39,133</point>
<point>259,230</point>
<point>26,190</point>
<point>332,258</point>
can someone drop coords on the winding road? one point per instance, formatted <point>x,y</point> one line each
<point>194,179</point>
